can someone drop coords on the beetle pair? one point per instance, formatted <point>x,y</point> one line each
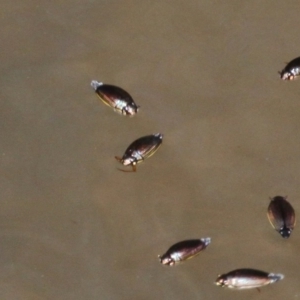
<point>282,217</point>
<point>237,279</point>
<point>122,103</point>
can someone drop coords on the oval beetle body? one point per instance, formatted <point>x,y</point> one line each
<point>139,150</point>
<point>184,250</point>
<point>291,70</point>
<point>247,279</point>
<point>116,98</point>
<point>282,216</point>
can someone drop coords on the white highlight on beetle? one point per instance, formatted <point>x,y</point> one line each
<point>95,84</point>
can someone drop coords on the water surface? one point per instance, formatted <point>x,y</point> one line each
<point>205,75</point>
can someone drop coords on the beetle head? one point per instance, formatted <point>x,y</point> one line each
<point>221,281</point>
<point>285,232</point>
<point>166,260</point>
<point>130,109</point>
<point>129,161</point>
<point>285,75</point>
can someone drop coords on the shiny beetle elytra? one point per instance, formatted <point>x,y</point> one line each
<point>247,279</point>
<point>183,250</point>
<point>291,70</point>
<point>116,98</point>
<point>281,216</point>
<point>140,149</point>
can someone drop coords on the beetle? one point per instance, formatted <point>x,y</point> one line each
<point>184,250</point>
<point>291,70</point>
<point>281,215</point>
<point>115,97</point>
<point>139,150</point>
<point>247,279</point>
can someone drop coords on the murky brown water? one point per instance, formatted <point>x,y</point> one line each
<point>205,75</point>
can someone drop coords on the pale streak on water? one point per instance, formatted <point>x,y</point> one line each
<point>205,75</point>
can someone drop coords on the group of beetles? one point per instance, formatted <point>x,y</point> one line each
<point>280,212</point>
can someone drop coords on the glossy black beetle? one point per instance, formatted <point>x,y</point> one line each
<point>281,216</point>
<point>291,70</point>
<point>247,279</point>
<point>140,149</point>
<point>183,250</point>
<point>116,98</point>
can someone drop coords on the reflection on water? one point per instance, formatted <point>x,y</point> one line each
<point>205,74</point>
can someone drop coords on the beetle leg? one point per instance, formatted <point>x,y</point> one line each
<point>128,171</point>
<point>133,168</point>
<point>120,160</point>
<point>124,170</point>
<point>124,111</point>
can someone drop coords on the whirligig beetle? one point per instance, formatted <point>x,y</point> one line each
<point>139,150</point>
<point>247,279</point>
<point>291,70</point>
<point>184,250</point>
<point>281,216</point>
<point>115,97</point>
